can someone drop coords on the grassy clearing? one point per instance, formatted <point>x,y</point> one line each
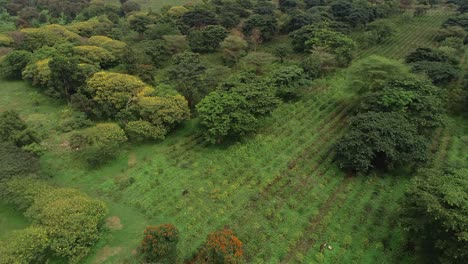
<point>411,32</point>
<point>278,190</point>
<point>10,219</point>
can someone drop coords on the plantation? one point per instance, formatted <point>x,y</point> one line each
<point>186,140</point>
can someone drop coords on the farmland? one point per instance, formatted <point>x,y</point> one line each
<point>280,190</point>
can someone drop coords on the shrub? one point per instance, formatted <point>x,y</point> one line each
<point>13,129</point>
<point>221,247</point>
<point>143,130</point>
<point>25,246</point>
<point>16,162</point>
<point>13,64</point>
<point>159,244</point>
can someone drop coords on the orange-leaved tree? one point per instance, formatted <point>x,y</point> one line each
<point>160,244</point>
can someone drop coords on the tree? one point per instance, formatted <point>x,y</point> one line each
<point>139,22</point>
<point>221,247</point>
<point>65,77</point>
<point>159,244</point>
<point>380,31</point>
<point>234,47</point>
<point>13,64</point>
<point>163,111</point>
<point>334,42</point>
<point>101,143</point>
<point>436,211</point>
<point>199,17</point>
<point>116,47</point>
<point>206,39</point>
<point>130,6</point>
<point>417,99</point>
<point>288,81</point>
<point>267,25</point>
<point>95,55</point>
<point>234,111</point>
<point>186,74</point>
<point>373,72</point>
<point>115,91</point>
<point>281,52</point>
<point>13,129</point>
<point>223,115</point>
<point>439,72</point>
<point>381,141</point>
<point>318,63</point>
<point>428,54</point>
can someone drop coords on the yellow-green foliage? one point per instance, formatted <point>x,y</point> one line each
<point>106,133</point>
<point>116,47</point>
<point>142,130</point>
<point>24,246</point>
<point>38,73</point>
<point>5,40</point>
<point>177,11</point>
<point>94,55</point>
<point>72,221</point>
<point>164,110</point>
<point>48,35</point>
<point>91,26</point>
<point>114,91</point>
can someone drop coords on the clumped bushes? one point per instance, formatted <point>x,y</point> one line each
<point>68,222</point>
<point>15,161</point>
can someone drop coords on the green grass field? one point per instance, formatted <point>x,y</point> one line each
<point>278,190</point>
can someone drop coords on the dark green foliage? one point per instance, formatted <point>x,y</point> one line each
<point>428,54</point>
<point>224,115</point>
<point>206,39</point>
<point>436,210</point>
<point>380,140</point>
<point>439,72</point>
<point>264,7</point>
<point>199,17</point>
<point>460,20</point>
<point>333,42</point>
<point>267,25</point>
<point>13,129</point>
<point>130,6</point>
<point>13,64</point>
<point>65,76</point>
<point>186,75</point>
<point>16,162</point>
<point>289,82</point>
<point>234,111</point>
<point>436,64</point>
<point>159,244</point>
<point>417,99</point>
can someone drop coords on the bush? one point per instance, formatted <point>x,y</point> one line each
<point>16,162</point>
<point>159,244</point>
<point>289,82</point>
<point>13,64</point>
<point>15,130</point>
<point>221,247</point>
<point>25,246</point>
<point>143,130</point>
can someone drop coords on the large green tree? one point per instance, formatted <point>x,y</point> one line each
<point>436,211</point>
<point>380,140</point>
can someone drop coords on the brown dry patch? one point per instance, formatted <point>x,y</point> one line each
<point>132,160</point>
<point>105,253</point>
<point>113,223</point>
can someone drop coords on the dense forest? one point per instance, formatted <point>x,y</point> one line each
<point>233,131</point>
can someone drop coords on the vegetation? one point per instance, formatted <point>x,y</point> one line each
<point>281,131</point>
